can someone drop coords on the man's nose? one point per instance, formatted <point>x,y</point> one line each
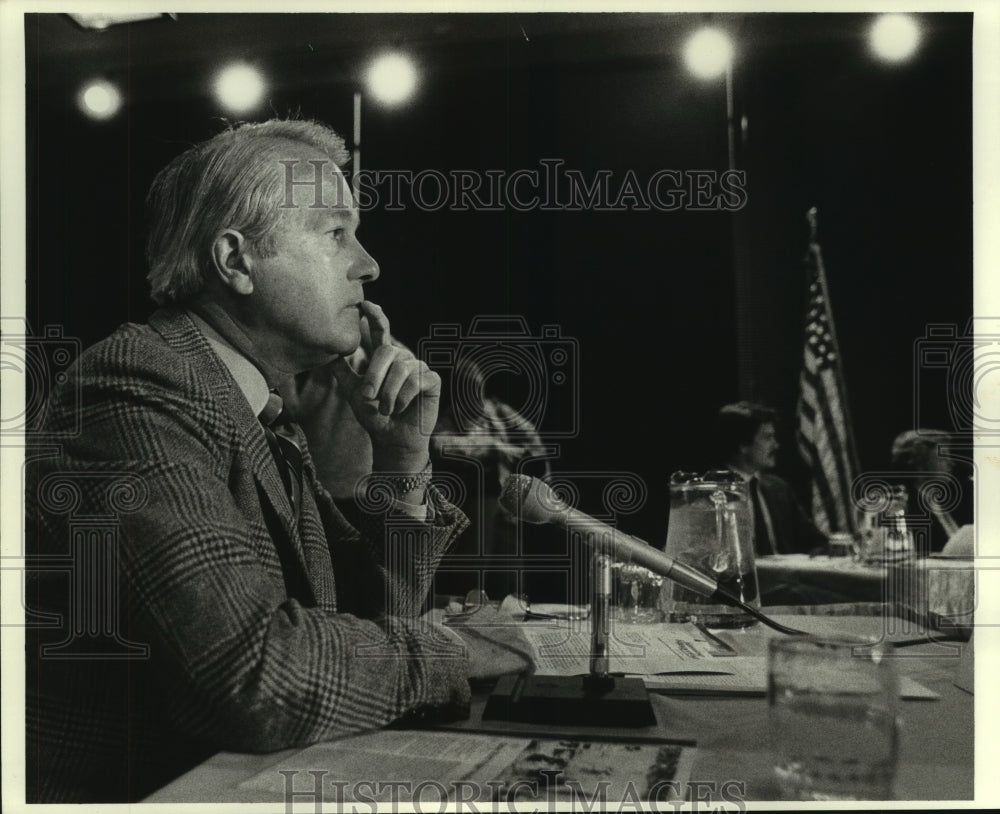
<point>364,267</point>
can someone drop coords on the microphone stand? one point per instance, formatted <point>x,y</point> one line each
<point>600,623</point>
<point>597,699</point>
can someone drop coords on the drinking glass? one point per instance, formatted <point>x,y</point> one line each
<point>833,718</point>
<point>887,537</point>
<point>842,544</point>
<point>636,593</point>
<point>710,529</point>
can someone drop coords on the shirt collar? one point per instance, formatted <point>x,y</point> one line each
<point>248,378</point>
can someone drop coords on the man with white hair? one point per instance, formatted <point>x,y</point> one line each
<point>265,619</point>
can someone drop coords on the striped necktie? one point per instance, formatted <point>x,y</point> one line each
<point>285,450</point>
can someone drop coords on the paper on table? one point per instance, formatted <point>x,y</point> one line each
<point>675,658</point>
<point>563,649</point>
<point>748,676</point>
<point>348,764</point>
<point>431,767</point>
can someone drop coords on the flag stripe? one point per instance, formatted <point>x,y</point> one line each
<point>822,457</point>
<point>822,431</point>
<point>823,500</point>
<point>828,458</point>
<point>831,417</point>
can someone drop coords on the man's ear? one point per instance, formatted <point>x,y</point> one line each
<point>231,262</point>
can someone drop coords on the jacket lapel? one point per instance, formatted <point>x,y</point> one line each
<point>313,532</point>
<point>181,333</point>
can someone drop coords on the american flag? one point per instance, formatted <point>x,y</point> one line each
<point>824,432</point>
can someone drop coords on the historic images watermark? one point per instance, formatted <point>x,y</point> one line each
<point>473,796</point>
<point>551,187</point>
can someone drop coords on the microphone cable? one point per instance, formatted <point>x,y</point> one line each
<point>757,614</point>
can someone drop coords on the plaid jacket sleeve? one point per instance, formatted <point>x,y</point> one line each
<point>243,657</point>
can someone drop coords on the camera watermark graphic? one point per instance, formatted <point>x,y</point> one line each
<point>961,365</point>
<point>33,365</point>
<point>549,187</point>
<point>966,367</point>
<point>481,464</point>
<point>543,373</point>
<point>480,438</point>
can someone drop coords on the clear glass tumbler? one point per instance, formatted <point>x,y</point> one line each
<point>833,718</point>
<point>886,536</point>
<point>710,528</point>
<point>636,593</point>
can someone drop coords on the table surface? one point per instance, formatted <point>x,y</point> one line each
<point>937,585</point>
<point>806,562</point>
<point>936,748</point>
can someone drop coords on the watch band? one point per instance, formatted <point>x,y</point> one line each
<point>401,484</point>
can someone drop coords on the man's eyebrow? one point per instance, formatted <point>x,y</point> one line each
<point>353,213</point>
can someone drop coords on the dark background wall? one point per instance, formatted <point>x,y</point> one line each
<point>883,152</point>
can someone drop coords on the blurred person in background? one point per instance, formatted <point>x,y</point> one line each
<point>481,440</point>
<point>746,438</point>
<point>934,488</point>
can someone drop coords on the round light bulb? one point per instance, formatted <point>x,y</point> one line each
<point>894,37</point>
<point>239,88</point>
<point>100,100</point>
<point>708,53</point>
<point>392,78</point>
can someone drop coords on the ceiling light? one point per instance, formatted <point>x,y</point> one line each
<point>392,78</point>
<point>99,99</point>
<point>894,37</point>
<point>708,52</point>
<point>239,87</point>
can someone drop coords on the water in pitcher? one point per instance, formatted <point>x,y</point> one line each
<point>710,528</point>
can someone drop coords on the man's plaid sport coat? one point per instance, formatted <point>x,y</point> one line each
<point>161,531</point>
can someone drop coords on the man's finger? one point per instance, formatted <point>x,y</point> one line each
<point>378,367</point>
<point>366,346</point>
<point>423,382</point>
<point>395,378</point>
<point>359,359</point>
<point>378,324</point>
<point>409,391</point>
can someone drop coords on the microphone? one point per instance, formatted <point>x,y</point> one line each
<point>533,501</point>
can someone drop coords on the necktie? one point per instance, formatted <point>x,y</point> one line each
<point>281,441</point>
<point>763,542</point>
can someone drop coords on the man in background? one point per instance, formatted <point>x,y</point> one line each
<point>934,488</point>
<point>747,442</point>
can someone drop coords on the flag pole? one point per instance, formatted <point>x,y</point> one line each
<point>356,159</point>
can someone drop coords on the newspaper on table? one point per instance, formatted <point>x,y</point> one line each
<point>667,656</point>
<point>429,768</point>
<point>679,659</point>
